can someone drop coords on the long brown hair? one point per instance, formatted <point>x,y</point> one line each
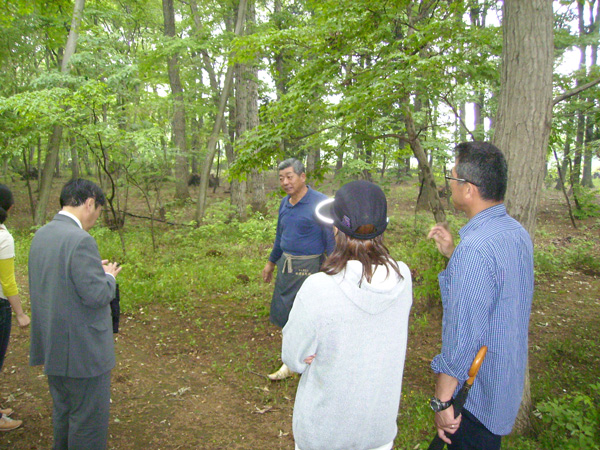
<point>370,252</point>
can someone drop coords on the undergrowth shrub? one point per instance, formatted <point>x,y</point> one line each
<point>215,262</point>
<point>581,255</point>
<point>578,254</point>
<point>408,242</point>
<point>571,422</point>
<point>589,206</point>
<point>415,421</point>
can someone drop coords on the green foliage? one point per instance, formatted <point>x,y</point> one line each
<point>353,169</point>
<point>588,203</point>
<point>571,421</point>
<point>214,262</point>
<point>415,421</point>
<point>427,263</point>
<point>573,254</point>
<point>547,261</point>
<point>421,255</point>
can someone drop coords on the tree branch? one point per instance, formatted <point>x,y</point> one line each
<point>390,135</point>
<point>156,219</point>
<point>462,122</point>
<point>575,91</point>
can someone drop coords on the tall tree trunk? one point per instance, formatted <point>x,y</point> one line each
<point>578,152</point>
<point>522,133</point>
<point>258,200</point>
<point>281,72</point>
<point>74,159</point>
<point>196,123</point>
<point>238,187</point>
<point>564,165</point>
<point>580,135</point>
<point>588,154</point>
<point>478,16</point>
<point>179,139</point>
<point>312,160</point>
<point>54,142</point>
<point>462,131</point>
<point>212,142</point>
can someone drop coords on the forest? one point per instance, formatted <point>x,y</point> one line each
<point>181,109</point>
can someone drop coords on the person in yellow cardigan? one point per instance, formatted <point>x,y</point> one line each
<point>9,294</point>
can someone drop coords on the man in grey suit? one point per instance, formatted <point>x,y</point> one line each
<point>71,327</point>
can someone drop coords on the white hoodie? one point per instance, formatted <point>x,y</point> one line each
<point>348,398</point>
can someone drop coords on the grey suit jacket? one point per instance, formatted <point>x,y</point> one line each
<point>71,325</point>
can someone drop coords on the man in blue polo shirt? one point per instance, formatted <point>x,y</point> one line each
<point>486,290</point>
<point>300,244</point>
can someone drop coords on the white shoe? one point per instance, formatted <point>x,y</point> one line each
<point>7,424</point>
<point>283,372</point>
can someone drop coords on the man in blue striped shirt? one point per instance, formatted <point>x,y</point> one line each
<point>486,291</point>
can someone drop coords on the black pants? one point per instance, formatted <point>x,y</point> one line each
<point>472,435</point>
<point>5,325</point>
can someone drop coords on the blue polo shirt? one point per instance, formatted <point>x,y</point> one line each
<point>487,290</point>
<point>299,232</point>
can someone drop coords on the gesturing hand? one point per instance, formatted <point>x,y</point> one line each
<point>440,233</point>
<point>112,268</point>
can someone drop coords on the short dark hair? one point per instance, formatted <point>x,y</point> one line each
<point>484,165</point>
<point>6,201</point>
<point>293,163</point>
<point>76,192</point>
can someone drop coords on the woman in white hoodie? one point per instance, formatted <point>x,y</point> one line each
<point>347,331</point>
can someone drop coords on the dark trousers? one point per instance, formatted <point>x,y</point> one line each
<point>473,435</point>
<point>80,412</point>
<point>5,325</point>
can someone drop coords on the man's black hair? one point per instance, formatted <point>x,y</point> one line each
<point>484,165</point>
<point>76,192</point>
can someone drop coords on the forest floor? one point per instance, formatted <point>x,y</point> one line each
<point>196,379</point>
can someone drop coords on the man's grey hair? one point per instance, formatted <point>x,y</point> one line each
<point>294,163</point>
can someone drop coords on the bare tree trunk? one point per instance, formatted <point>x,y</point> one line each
<point>564,165</point>
<point>431,192</point>
<point>54,142</point>
<point>281,74</point>
<point>462,131</point>
<point>522,133</point>
<point>588,153</point>
<point>339,162</point>
<point>238,187</point>
<point>312,160</point>
<point>74,159</point>
<point>580,135</point>
<point>258,200</point>
<point>577,154</point>
<point>478,19</point>
<point>196,123</point>
<point>212,142</point>
<point>179,138</point>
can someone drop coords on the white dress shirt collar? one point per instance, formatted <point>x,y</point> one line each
<point>72,216</point>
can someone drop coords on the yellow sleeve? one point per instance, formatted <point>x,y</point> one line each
<point>7,277</point>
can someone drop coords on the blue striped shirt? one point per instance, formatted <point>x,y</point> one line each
<point>486,291</point>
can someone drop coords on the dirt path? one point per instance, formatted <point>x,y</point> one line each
<point>166,393</point>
